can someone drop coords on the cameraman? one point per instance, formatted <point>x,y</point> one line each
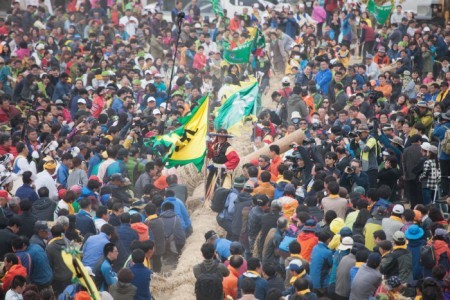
<point>368,153</point>
<point>421,113</point>
<point>353,176</point>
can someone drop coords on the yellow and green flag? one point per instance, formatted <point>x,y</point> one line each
<point>237,107</point>
<point>187,143</point>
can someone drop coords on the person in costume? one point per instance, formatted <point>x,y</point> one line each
<point>224,160</point>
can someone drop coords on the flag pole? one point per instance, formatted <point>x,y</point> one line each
<point>205,174</point>
<point>180,19</point>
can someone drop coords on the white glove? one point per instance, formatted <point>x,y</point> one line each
<point>35,154</point>
<point>219,166</point>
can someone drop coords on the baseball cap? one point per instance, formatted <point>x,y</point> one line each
<point>156,111</point>
<point>151,99</point>
<point>285,80</point>
<point>117,176</point>
<point>310,225</point>
<point>81,101</point>
<point>239,182</point>
<point>290,188</point>
<point>346,244</point>
<point>95,177</point>
<point>41,226</point>
<point>295,265</point>
<point>210,234</point>
<point>399,237</point>
<point>345,231</point>
<point>398,209</point>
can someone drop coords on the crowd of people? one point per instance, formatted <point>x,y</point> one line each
<point>355,210</point>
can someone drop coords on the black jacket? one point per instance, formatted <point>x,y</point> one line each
<point>244,199</point>
<point>61,272</point>
<point>6,237</point>
<point>43,209</point>
<point>27,220</point>
<point>156,229</point>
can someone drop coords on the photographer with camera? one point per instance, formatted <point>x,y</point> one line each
<point>421,113</point>
<point>368,150</point>
<point>354,176</point>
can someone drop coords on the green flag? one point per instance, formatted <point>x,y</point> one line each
<point>187,143</point>
<point>259,41</point>
<point>238,55</point>
<point>380,12</point>
<point>238,106</point>
<point>217,7</point>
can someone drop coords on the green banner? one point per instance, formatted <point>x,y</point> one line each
<point>380,12</point>
<point>238,55</point>
<point>217,7</point>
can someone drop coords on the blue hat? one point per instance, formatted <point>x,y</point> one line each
<point>310,225</point>
<point>414,232</point>
<point>345,231</point>
<point>295,265</point>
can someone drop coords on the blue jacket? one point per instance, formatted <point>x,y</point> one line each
<point>141,280</point>
<point>85,223</point>
<point>323,79</point>
<point>381,202</point>
<point>337,257</point>
<point>260,285</point>
<point>109,276</point>
<point>222,248</point>
<point>117,167</point>
<point>414,247</point>
<point>62,174</point>
<point>322,260</point>
<point>86,193</point>
<point>61,89</point>
<point>126,237</point>
<point>181,211</point>
<point>117,105</point>
<point>41,273</point>
<point>439,133</point>
<point>27,192</point>
<point>93,161</point>
<point>93,249</point>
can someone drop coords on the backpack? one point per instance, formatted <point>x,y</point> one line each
<point>445,143</point>
<point>427,258</point>
<point>219,199</point>
<point>209,284</point>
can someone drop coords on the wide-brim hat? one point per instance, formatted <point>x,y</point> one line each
<point>414,232</point>
<point>397,140</point>
<point>221,133</point>
<point>363,128</point>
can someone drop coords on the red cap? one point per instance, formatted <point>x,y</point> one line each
<point>4,194</point>
<point>62,193</point>
<point>94,177</point>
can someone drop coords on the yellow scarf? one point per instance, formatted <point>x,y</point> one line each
<point>55,239</point>
<point>151,217</point>
<point>399,247</point>
<point>293,278</point>
<point>255,273</point>
<point>304,292</point>
<point>71,209</point>
<point>396,218</point>
<point>359,264</point>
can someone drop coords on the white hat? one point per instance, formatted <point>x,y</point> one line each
<point>151,99</point>
<point>255,5</point>
<point>433,149</point>
<point>163,105</point>
<point>40,47</point>
<point>158,75</point>
<point>301,5</point>
<point>347,243</point>
<point>385,153</point>
<point>156,111</point>
<point>426,146</point>
<point>148,72</point>
<point>398,209</point>
<point>89,271</point>
<point>81,101</point>
<point>295,114</point>
<point>426,29</point>
<point>285,80</point>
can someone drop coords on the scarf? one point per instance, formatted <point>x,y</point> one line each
<point>304,292</point>
<point>294,278</point>
<point>55,239</point>
<point>151,217</point>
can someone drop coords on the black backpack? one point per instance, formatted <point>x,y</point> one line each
<point>209,284</point>
<point>219,199</point>
<point>427,257</point>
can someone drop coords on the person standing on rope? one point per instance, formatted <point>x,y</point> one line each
<point>225,159</point>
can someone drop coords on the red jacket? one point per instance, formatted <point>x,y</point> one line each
<point>199,61</point>
<point>13,272</point>
<point>230,283</point>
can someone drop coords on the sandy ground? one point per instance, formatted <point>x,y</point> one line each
<point>179,283</point>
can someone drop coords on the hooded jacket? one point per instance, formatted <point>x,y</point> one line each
<point>156,232</point>
<point>122,291</point>
<point>180,210</point>
<point>322,260</point>
<point>209,265</point>
<point>397,263</point>
<point>172,225</point>
<point>14,271</point>
<point>61,272</point>
<point>307,241</point>
<point>279,189</point>
<point>142,230</point>
<point>41,272</point>
<point>230,283</point>
<point>43,209</point>
<point>296,103</point>
<point>244,199</point>
<point>414,247</point>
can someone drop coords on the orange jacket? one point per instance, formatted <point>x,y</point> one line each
<point>142,231</point>
<point>265,188</point>
<point>307,241</point>
<point>11,273</point>
<point>274,166</point>
<point>230,283</point>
